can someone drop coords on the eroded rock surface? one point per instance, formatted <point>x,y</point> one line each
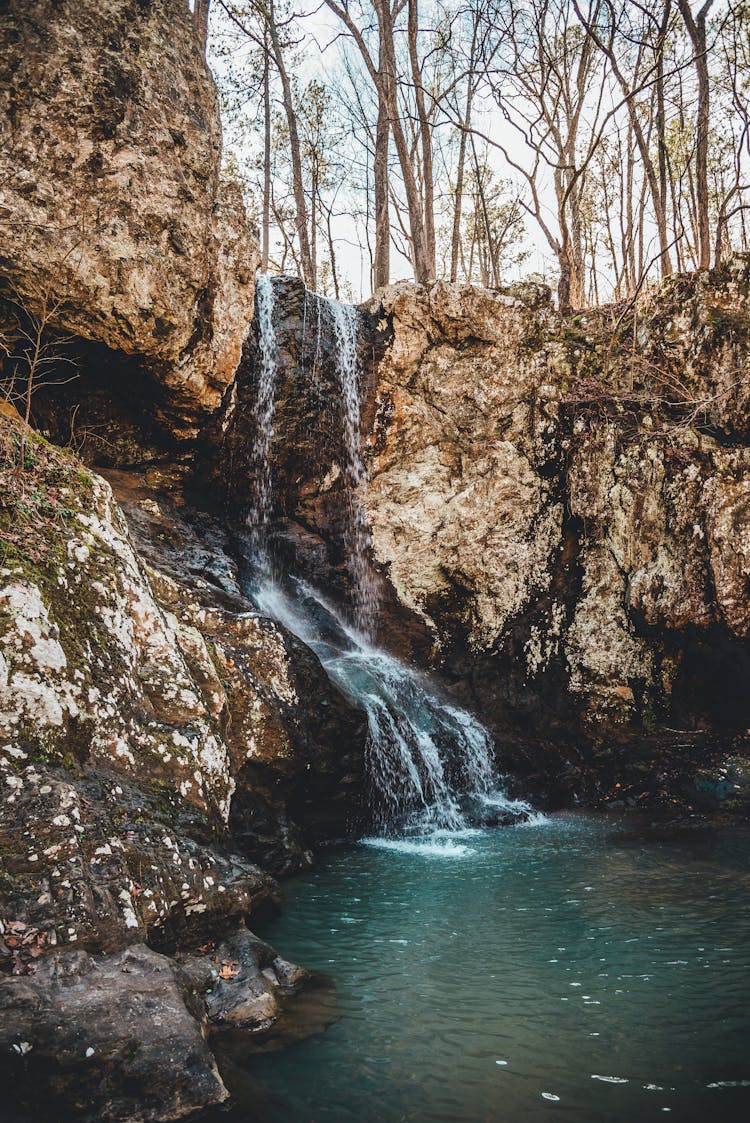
<point>460,500</point>
<point>155,738</point>
<point>116,225</point>
<point>558,510</point>
<point>567,514</point>
<point>294,743</point>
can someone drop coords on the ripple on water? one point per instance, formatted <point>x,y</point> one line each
<point>425,1024</point>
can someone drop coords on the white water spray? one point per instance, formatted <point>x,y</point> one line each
<point>430,764</point>
<point>261,506</point>
<point>357,534</point>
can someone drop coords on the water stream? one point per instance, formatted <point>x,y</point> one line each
<point>430,764</point>
<point>357,536</point>
<point>261,502</point>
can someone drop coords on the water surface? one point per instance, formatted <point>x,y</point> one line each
<point>577,968</point>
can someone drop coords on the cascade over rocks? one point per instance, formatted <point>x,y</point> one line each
<point>558,525</point>
<point>558,522</point>
<point>307,458</point>
<point>428,764</point>
<point>115,220</point>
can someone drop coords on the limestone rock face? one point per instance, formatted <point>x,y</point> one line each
<point>463,515</point>
<point>558,509</point>
<point>155,738</point>
<point>82,1018</point>
<point>116,225</point>
<point>90,663</point>
<point>294,744</point>
<point>570,517</point>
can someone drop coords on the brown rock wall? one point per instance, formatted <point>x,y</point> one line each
<point>115,223</point>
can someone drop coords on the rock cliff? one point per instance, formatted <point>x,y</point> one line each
<point>156,735</point>
<point>116,224</point>
<point>565,506</point>
<point>158,738</point>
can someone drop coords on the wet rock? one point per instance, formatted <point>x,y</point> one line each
<point>120,763</point>
<point>559,520</point>
<point>307,456</point>
<point>250,976</point>
<point>294,743</point>
<point>105,1038</point>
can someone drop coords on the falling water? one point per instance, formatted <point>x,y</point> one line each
<point>357,535</point>
<point>430,764</point>
<point>268,366</point>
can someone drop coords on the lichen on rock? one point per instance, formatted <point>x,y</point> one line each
<point>461,512</point>
<point>564,504</point>
<point>116,782</point>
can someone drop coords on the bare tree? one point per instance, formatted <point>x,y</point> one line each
<point>384,72</point>
<point>696,29</point>
<point>543,82</point>
<point>268,36</point>
<point>34,353</point>
<point>648,77</point>
<point>625,125</point>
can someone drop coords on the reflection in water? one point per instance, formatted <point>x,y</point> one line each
<point>559,967</point>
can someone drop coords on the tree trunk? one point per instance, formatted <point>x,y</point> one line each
<point>563,284</point>
<point>385,81</point>
<point>425,136</point>
<point>661,142</point>
<point>332,255</point>
<point>388,93</point>
<point>458,207</point>
<point>578,266</point>
<point>382,266</point>
<point>696,28</point>
<point>300,203</point>
<point>486,220</point>
<point>313,282</point>
<point>657,197</point>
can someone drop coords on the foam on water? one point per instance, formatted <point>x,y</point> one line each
<point>431,846</point>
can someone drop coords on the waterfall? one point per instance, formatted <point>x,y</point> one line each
<point>430,764</point>
<point>357,535</point>
<point>261,506</point>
